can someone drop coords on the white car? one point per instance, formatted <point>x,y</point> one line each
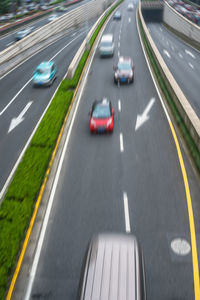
<point>130,6</point>
<point>52,18</point>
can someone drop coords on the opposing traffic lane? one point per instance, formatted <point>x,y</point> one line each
<point>17,92</point>
<point>102,172</point>
<point>9,39</point>
<point>182,60</point>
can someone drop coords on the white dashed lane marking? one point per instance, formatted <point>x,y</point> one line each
<point>119,105</point>
<point>126,212</point>
<point>121,142</point>
<point>191,65</point>
<point>166,53</point>
<point>190,53</point>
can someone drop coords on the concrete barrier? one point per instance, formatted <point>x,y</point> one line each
<point>77,57</point>
<point>60,25</point>
<point>186,111</point>
<point>181,24</point>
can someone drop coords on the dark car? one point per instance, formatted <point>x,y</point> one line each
<point>117,15</point>
<point>102,116</point>
<point>124,71</point>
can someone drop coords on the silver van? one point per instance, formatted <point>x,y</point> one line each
<point>106,46</point>
<point>113,269</point>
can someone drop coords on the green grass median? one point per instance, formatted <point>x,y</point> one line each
<point>19,201</point>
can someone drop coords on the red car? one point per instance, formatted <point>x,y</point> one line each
<point>102,116</point>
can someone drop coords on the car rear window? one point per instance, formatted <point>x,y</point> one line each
<point>124,66</point>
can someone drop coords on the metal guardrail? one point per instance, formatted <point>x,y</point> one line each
<point>186,111</point>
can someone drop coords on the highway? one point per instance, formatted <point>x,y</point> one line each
<point>9,39</point>
<point>99,175</point>
<point>18,95</point>
<point>182,60</point>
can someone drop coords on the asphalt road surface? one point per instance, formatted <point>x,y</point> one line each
<point>18,96</point>
<point>10,38</point>
<point>101,172</point>
<point>182,60</point>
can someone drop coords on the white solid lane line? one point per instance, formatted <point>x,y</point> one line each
<point>126,213</point>
<point>190,53</point>
<point>121,142</point>
<point>166,53</point>
<point>191,65</point>
<point>13,99</point>
<point>52,195</point>
<point>119,105</point>
<point>9,44</point>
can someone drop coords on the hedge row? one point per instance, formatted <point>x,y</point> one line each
<point>19,201</point>
<point>193,150</point>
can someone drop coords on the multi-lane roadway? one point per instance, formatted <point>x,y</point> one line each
<point>10,38</point>
<point>130,181</point>
<point>182,60</point>
<point>21,101</point>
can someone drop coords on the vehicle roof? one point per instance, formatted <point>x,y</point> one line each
<point>112,267</point>
<point>103,101</point>
<point>125,59</point>
<point>107,37</point>
<point>45,64</point>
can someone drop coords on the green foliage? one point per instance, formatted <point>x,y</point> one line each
<point>4,6</point>
<point>19,201</point>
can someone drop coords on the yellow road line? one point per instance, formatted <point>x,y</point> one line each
<point>191,218</point>
<point>25,244</point>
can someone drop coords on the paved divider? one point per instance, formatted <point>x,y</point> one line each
<point>59,26</point>
<point>185,110</point>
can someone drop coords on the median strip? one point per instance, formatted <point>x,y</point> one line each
<point>29,180</point>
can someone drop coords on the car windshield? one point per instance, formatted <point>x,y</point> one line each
<point>124,66</point>
<point>106,44</point>
<point>101,112</point>
<point>43,71</point>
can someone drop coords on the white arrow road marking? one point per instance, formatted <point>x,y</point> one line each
<point>16,121</point>
<point>141,119</point>
<point>166,53</point>
<point>190,53</point>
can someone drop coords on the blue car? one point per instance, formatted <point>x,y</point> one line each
<point>45,74</point>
